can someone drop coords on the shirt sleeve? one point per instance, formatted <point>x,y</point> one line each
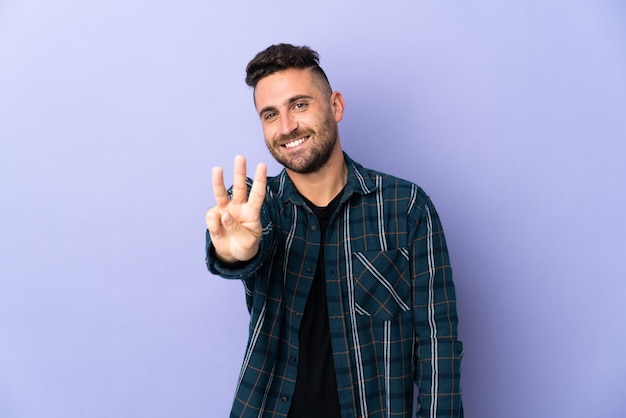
<point>438,352</point>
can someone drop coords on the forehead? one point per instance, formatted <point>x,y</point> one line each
<point>279,87</point>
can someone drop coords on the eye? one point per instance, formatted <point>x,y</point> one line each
<point>269,116</point>
<point>300,106</point>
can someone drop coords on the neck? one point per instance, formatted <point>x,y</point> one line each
<point>323,185</point>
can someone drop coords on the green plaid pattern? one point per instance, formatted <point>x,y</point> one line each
<point>391,300</point>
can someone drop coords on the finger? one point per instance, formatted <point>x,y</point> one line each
<point>219,190</point>
<point>257,193</point>
<point>213,222</point>
<point>240,187</point>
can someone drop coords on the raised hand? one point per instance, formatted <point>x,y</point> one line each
<point>235,223</point>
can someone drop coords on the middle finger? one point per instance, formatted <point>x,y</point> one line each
<point>240,187</point>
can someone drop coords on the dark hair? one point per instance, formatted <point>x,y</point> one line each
<point>281,57</point>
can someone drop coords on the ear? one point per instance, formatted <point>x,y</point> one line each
<point>338,104</point>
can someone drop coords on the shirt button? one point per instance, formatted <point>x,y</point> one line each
<point>309,269</point>
<point>314,228</point>
<point>293,359</point>
<point>285,399</point>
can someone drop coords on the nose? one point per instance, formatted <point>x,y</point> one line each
<point>288,124</point>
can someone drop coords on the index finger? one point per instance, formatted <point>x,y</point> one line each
<point>257,191</point>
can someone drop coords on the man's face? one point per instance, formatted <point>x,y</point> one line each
<point>298,118</point>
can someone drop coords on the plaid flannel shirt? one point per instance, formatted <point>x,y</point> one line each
<point>391,300</point>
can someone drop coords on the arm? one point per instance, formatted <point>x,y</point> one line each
<point>438,352</point>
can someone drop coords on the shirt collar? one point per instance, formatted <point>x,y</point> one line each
<point>359,181</point>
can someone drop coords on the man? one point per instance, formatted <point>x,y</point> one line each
<point>345,269</point>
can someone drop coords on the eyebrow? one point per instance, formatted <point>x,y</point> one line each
<point>290,101</point>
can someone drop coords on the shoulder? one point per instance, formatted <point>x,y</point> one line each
<point>385,184</point>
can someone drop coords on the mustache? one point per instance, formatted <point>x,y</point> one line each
<point>298,133</point>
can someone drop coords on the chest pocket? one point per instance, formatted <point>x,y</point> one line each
<point>382,284</point>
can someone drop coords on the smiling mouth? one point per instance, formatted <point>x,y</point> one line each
<point>296,142</point>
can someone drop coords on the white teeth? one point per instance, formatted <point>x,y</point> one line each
<point>295,143</point>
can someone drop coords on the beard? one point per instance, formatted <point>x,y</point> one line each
<point>318,152</point>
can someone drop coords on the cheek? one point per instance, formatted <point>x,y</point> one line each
<point>267,133</point>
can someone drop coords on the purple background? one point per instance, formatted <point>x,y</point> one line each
<point>512,116</point>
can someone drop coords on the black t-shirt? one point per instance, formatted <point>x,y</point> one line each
<point>316,395</point>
